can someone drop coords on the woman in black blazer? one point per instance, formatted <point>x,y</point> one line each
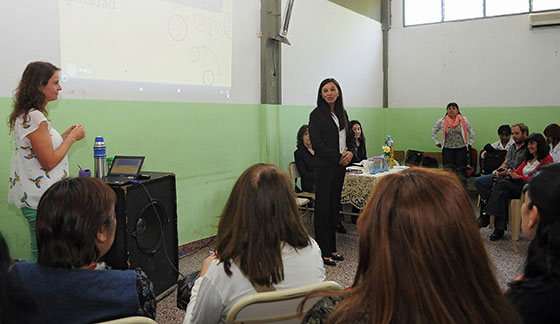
<point>304,159</point>
<point>331,139</point>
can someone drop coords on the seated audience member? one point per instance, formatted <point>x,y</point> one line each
<point>504,132</point>
<point>76,226</point>
<point>304,159</point>
<point>510,186</point>
<point>552,133</point>
<point>261,246</point>
<point>360,139</point>
<point>536,293</point>
<point>17,305</point>
<point>421,259</point>
<point>514,157</point>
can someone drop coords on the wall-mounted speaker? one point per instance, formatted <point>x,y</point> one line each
<point>146,234</point>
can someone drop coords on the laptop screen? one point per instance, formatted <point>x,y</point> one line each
<point>126,165</point>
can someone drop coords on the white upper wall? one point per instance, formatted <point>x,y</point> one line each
<point>331,41</point>
<point>496,61</point>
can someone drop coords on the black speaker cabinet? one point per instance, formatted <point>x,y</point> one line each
<point>146,235</point>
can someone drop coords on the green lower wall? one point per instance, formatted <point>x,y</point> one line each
<point>207,146</point>
<point>411,127</point>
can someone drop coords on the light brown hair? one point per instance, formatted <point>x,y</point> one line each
<point>421,257</point>
<point>522,127</point>
<point>28,93</point>
<point>260,216</point>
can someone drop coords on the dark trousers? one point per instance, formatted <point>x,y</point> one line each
<point>455,159</point>
<point>498,204</point>
<point>484,185</point>
<point>328,187</point>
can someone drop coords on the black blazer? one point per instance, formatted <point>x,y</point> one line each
<point>304,163</point>
<point>324,139</point>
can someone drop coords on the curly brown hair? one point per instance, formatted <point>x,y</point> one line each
<point>28,93</point>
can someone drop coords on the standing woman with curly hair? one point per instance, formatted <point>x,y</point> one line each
<point>40,152</point>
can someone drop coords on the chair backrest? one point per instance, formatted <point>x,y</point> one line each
<point>131,320</point>
<point>399,156</point>
<point>473,155</point>
<point>276,306</point>
<point>294,172</point>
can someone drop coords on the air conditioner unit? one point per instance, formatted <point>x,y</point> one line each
<point>541,19</point>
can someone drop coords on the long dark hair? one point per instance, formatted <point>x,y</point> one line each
<point>338,104</point>
<point>69,216</point>
<point>543,257</point>
<point>304,128</point>
<point>362,138</point>
<point>542,147</point>
<point>28,93</point>
<point>553,131</point>
<point>259,217</point>
<point>420,224</point>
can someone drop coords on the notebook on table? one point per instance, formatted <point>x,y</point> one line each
<point>124,169</point>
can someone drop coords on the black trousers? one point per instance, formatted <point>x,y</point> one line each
<point>456,160</point>
<point>498,203</point>
<point>328,187</point>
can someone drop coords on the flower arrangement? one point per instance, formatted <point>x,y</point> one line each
<point>386,150</point>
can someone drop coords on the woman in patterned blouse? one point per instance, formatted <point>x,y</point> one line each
<point>421,259</point>
<point>40,152</point>
<point>76,226</point>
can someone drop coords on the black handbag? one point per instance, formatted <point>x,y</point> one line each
<point>414,157</point>
<point>184,288</point>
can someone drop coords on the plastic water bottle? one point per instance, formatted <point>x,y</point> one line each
<point>99,157</point>
<point>389,142</point>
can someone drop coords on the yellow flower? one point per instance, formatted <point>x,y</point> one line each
<point>386,149</point>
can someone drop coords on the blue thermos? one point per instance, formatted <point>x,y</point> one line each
<point>100,157</point>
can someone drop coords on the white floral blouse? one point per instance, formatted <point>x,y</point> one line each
<point>28,180</point>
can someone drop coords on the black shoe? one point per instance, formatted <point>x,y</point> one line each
<point>497,235</point>
<point>329,262</point>
<point>337,257</point>
<point>340,228</point>
<point>483,220</point>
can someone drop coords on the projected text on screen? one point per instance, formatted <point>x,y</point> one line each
<point>156,41</point>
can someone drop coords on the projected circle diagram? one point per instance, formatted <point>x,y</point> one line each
<point>216,30</point>
<point>177,28</point>
<point>228,25</point>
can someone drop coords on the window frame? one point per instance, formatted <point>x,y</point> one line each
<point>484,16</point>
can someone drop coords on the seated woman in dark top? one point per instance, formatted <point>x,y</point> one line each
<point>421,259</point>
<point>304,159</point>
<point>75,227</point>
<point>360,139</point>
<point>17,305</point>
<point>536,293</point>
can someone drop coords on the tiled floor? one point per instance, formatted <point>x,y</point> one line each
<point>507,256</point>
